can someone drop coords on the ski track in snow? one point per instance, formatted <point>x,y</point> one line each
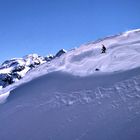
<point>122,93</point>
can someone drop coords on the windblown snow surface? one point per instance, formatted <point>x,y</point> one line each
<point>67,99</point>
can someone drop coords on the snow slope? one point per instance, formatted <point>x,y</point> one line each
<point>66,99</point>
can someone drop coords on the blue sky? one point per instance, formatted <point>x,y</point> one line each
<point>45,26</point>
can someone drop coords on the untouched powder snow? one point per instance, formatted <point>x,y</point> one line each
<point>67,99</point>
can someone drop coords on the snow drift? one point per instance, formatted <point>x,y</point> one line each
<point>67,99</point>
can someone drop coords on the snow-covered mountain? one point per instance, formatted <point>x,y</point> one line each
<point>13,70</point>
<point>81,95</point>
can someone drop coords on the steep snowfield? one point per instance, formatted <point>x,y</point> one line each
<point>123,53</point>
<point>66,99</point>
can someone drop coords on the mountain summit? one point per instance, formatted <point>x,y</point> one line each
<point>82,94</point>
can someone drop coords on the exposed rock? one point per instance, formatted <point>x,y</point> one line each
<point>60,52</point>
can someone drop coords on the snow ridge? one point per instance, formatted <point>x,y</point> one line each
<point>123,54</point>
<point>67,98</point>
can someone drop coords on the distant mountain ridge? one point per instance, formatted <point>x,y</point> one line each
<point>13,70</point>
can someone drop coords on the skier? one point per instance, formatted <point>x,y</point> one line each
<point>103,49</point>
